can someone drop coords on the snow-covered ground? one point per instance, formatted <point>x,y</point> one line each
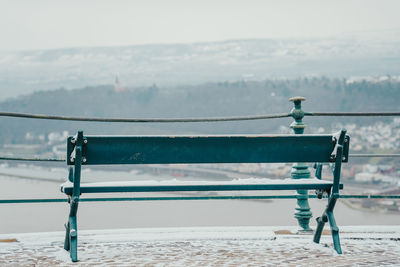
<point>210,246</point>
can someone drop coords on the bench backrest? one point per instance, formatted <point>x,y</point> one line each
<point>206,149</point>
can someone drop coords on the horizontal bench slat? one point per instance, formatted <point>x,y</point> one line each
<point>286,184</point>
<point>205,149</point>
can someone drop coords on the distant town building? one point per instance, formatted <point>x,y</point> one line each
<point>117,85</point>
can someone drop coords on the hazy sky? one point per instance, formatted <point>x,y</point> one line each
<point>39,24</point>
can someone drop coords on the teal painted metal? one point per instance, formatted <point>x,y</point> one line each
<point>318,170</point>
<point>71,229</point>
<point>177,188</point>
<point>117,199</point>
<point>203,149</point>
<point>300,170</point>
<point>371,196</point>
<point>328,216</point>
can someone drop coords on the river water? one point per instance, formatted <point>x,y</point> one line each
<point>45,217</point>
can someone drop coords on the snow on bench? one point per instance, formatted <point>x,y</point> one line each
<point>107,150</point>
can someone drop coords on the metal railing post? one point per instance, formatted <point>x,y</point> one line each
<point>300,170</point>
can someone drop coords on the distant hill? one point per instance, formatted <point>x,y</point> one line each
<point>358,54</point>
<point>211,99</point>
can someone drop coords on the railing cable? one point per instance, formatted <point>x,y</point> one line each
<point>352,114</point>
<point>374,155</point>
<point>32,159</point>
<point>143,120</point>
<point>55,200</point>
<point>172,120</point>
<point>208,119</point>
<point>63,160</point>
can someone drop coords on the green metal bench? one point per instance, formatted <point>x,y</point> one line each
<point>104,150</point>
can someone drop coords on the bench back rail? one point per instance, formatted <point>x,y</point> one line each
<point>205,149</point>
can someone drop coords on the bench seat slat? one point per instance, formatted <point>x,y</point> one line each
<point>169,186</point>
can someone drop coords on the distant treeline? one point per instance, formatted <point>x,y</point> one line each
<point>238,98</point>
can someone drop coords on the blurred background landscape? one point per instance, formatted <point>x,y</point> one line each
<point>157,60</point>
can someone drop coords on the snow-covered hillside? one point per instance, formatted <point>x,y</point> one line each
<point>357,54</point>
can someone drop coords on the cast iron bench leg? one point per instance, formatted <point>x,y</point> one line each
<point>73,239</point>
<point>73,231</point>
<point>335,232</point>
<point>320,227</point>
<point>66,242</point>
<point>332,222</point>
<point>71,234</point>
<point>328,216</point>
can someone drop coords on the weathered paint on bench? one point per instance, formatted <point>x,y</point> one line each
<point>205,149</point>
<point>92,150</point>
<point>112,188</point>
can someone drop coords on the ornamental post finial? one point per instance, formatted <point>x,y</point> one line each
<point>297,114</point>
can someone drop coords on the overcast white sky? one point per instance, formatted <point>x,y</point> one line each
<point>41,24</point>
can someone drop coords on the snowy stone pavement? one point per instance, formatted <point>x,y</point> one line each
<point>211,246</point>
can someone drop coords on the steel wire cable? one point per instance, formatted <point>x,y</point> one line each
<point>172,120</point>
<point>32,159</point>
<point>207,119</point>
<point>352,114</point>
<point>143,120</point>
<point>374,155</point>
